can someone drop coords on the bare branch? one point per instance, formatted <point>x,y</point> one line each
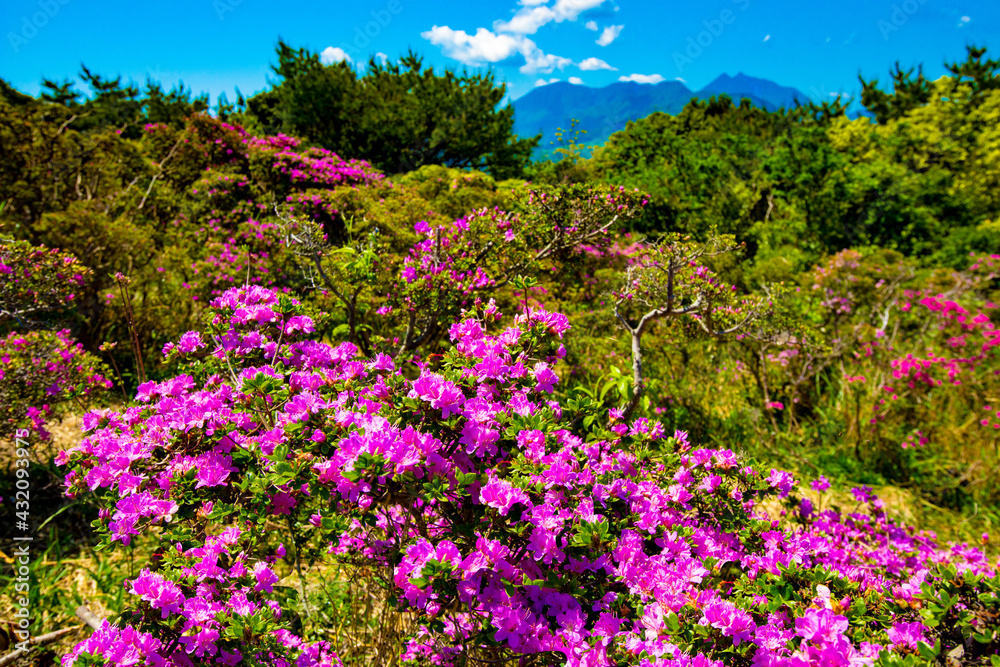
<point>40,640</point>
<point>668,282</point>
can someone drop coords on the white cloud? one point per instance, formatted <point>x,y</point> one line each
<point>569,10</point>
<point>484,46</point>
<point>543,82</point>
<point>677,78</point>
<point>537,61</point>
<point>384,57</point>
<point>489,47</point>
<point>591,25</point>
<point>508,37</point>
<point>333,54</point>
<point>591,64</point>
<point>767,37</point>
<point>527,21</point>
<point>534,14</point>
<point>575,80</point>
<point>610,34</point>
<point>962,22</point>
<point>642,78</point>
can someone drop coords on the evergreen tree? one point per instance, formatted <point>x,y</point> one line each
<point>909,92</point>
<point>399,116</point>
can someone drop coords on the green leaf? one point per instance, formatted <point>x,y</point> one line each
<point>608,386</point>
<point>927,651</point>
<point>673,623</point>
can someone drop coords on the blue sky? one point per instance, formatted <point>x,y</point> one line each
<point>816,46</point>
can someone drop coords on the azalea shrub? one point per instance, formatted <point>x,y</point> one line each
<point>42,373</point>
<point>925,378</point>
<point>899,362</point>
<point>202,206</point>
<point>42,366</point>
<point>36,281</point>
<point>550,229</point>
<point>869,368</point>
<point>187,210</point>
<point>514,527</point>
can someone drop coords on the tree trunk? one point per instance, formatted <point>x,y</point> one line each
<point>638,384</point>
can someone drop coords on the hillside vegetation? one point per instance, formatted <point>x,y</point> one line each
<point>360,384</point>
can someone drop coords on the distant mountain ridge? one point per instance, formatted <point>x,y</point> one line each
<point>604,111</point>
<point>766,94</point>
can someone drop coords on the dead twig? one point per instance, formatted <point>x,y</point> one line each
<point>34,642</point>
<point>90,618</point>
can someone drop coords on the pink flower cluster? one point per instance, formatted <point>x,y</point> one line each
<point>320,167</point>
<point>38,371</point>
<point>445,257</point>
<point>967,343</point>
<point>35,280</point>
<point>508,525</point>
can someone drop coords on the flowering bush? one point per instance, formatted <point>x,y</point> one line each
<point>36,280</point>
<point>404,302</point>
<point>40,370</point>
<point>887,368</point>
<point>925,376</point>
<point>816,326</point>
<point>509,528</point>
<point>453,263</point>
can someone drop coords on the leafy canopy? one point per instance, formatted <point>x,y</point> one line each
<point>398,116</point>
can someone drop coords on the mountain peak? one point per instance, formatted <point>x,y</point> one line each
<point>761,92</point>
<point>604,111</point>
